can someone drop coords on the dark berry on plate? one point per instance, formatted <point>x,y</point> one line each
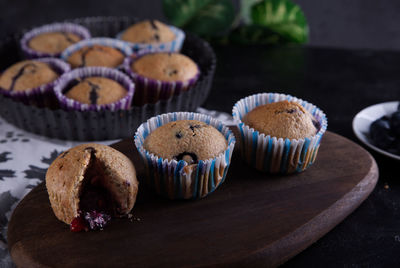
<point>398,107</point>
<point>395,123</point>
<point>97,220</point>
<point>78,224</point>
<point>381,134</point>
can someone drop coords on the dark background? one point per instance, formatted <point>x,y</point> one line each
<point>347,56</point>
<point>338,23</point>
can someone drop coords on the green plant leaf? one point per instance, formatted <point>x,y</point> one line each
<point>283,17</point>
<point>245,10</point>
<point>203,17</point>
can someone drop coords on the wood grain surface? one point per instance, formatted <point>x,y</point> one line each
<point>252,219</point>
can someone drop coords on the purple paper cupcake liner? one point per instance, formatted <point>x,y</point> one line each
<point>123,47</point>
<point>150,90</point>
<point>54,27</point>
<point>42,95</point>
<point>70,104</point>
<point>173,46</point>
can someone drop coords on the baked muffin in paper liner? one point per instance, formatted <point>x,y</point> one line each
<point>77,29</point>
<point>177,179</point>
<point>275,154</point>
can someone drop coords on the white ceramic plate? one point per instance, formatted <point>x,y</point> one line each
<point>363,120</point>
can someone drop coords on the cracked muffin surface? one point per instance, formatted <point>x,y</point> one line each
<point>96,55</point>
<point>165,67</point>
<point>95,90</point>
<point>282,119</point>
<point>53,42</point>
<point>27,74</point>
<point>188,140</point>
<point>148,31</point>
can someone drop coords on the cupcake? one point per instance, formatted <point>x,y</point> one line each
<point>52,39</point>
<point>105,52</point>
<point>279,133</point>
<point>32,81</point>
<point>186,155</point>
<point>90,183</point>
<point>159,76</point>
<point>94,88</point>
<point>152,35</point>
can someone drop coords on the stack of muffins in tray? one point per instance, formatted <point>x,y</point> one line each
<point>141,65</point>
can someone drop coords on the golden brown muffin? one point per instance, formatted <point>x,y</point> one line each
<point>148,31</point>
<point>165,67</point>
<point>188,140</point>
<point>26,75</point>
<point>53,42</point>
<point>282,119</point>
<point>81,177</point>
<point>96,90</point>
<point>96,55</point>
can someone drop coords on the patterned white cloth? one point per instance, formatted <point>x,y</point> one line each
<point>24,159</point>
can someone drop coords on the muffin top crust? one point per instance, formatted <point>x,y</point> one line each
<point>96,55</point>
<point>53,42</point>
<point>282,119</point>
<point>26,75</point>
<point>95,90</point>
<point>188,140</point>
<point>148,31</point>
<point>165,67</point>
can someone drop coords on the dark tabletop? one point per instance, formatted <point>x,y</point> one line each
<point>341,83</point>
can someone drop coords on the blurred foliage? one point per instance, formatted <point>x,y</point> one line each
<point>204,17</point>
<point>261,21</point>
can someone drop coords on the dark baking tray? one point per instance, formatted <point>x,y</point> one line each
<point>104,125</point>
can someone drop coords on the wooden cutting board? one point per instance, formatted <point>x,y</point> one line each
<point>253,219</point>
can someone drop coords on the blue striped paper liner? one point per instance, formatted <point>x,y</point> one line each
<point>173,46</point>
<point>123,47</point>
<point>49,28</point>
<point>118,76</point>
<point>273,154</point>
<point>177,179</point>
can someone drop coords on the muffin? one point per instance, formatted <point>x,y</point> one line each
<point>279,133</point>
<point>90,183</point>
<point>186,155</point>
<point>52,39</point>
<point>148,31</point>
<point>106,52</point>
<point>187,140</point>
<point>153,36</point>
<point>27,74</point>
<point>32,81</point>
<point>53,43</point>
<point>95,88</point>
<point>159,76</point>
<point>282,119</point>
